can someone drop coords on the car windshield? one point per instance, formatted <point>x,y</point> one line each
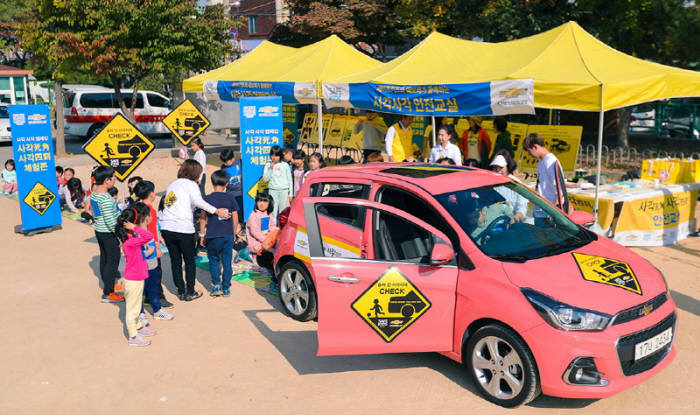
<point>511,223</point>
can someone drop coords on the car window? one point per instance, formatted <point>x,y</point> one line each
<point>396,239</point>
<point>341,227</point>
<point>417,207</point>
<point>4,113</point>
<point>127,100</point>
<point>157,101</point>
<point>97,100</point>
<point>510,222</point>
<point>330,189</point>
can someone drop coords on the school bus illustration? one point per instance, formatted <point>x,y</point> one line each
<point>407,305</point>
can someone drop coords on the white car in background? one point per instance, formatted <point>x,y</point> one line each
<point>88,108</point>
<point>5,136</point>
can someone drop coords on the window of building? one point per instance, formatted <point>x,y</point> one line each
<point>252,24</point>
<point>20,93</point>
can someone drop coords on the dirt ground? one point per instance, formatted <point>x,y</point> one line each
<point>63,351</point>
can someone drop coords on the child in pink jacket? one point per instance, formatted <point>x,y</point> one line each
<point>131,231</point>
<point>260,223</point>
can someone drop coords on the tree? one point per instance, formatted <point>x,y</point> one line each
<point>10,52</point>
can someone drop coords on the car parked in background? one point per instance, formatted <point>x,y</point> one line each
<point>89,108</point>
<point>400,258</point>
<point>5,135</point>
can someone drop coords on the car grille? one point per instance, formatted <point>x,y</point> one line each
<point>625,348</point>
<point>636,312</point>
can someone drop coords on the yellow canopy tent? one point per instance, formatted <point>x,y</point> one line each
<point>266,53</point>
<point>572,70</point>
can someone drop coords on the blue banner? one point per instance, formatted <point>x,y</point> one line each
<point>39,205</point>
<point>291,92</point>
<point>514,96</point>
<point>261,128</point>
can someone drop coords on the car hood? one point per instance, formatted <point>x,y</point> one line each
<point>602,276</point>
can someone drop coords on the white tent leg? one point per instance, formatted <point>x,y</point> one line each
<point>600,154</point>
<point>319,118</point>
<point>433,131</point>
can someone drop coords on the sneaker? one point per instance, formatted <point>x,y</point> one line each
<point>144,319</point>
<point>147,331</point>
<point>195,295</point>
<point>165,303</point>
<point>182,297</point>
<point>112,298</point>
<point>227,292</point>
<point>118,287</point>
<point>162,314</point>
<point>216,291</point>
<point>138,341</point>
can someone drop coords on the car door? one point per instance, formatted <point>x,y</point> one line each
<point>378,291</point>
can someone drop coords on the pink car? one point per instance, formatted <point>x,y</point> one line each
<point>396,258</point>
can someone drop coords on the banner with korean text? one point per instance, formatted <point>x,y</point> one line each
<point>261,128</point>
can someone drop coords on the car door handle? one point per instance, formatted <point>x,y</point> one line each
<point>349,280</point>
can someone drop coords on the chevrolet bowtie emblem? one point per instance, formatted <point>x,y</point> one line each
<point>646,310</point>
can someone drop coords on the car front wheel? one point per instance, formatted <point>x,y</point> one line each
<point>502,366</point>
<point>297,292</point>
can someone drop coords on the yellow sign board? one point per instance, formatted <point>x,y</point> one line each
<point>585,203</point>
<point>119,145</point>
<point>391,304</point>
<point>607,271</point>
<point>39,198</point>
<point>186,122</point>
<point>561,140</point>
<point>658,212</point>
<point>334,136</point>
<point>259,186</point>
<point>308,128</point>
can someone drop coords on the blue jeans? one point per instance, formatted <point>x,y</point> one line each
<point>220,251</point>
<point>151,289</point>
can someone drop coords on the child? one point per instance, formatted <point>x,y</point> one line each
<point>131,184</point>
<point>68,173</point>
<point>345,160</point>
<point>129,230</point>
<point>550,176</point>
<point>145,192</point>
<point>288,155</point>
<point>260,223</point>
<point>219,234</point>
<point>104,211</point>
<point>59,176</point>
<point>316,162</point>
<point>114,192</point>
<point>74,194</point>
<point>298,170</point>
<point>233,168</point>
<point>198,147</point>
<point>279,180</point>
<point>9,178</point>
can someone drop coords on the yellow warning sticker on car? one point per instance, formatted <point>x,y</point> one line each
<point>607,271</point>
<point>391,304</point>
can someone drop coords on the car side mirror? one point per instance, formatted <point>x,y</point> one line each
<point>582,218</point>
<point>441,254</point>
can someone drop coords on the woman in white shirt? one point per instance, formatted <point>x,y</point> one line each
<point>445,149</point>
<point>177,225</point>
<point>198,147</point>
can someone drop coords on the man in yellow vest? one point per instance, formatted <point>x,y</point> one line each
<point>399,140</point>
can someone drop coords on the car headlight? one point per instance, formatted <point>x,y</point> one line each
<point>563,316</point>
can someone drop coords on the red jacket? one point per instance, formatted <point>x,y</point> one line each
<point>483,138</point>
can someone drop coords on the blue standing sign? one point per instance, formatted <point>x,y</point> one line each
<point>261,128</point>
<point>39,205</point>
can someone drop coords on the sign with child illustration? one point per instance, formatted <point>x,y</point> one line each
<point>391,304</point>
<point>119,145</point>
<point>186,122</point>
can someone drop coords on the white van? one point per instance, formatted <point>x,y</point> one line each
<point>88,108</point>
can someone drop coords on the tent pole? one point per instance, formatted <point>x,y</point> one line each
<point>600,153</point>
<point>550,116</point>
<point>433,131</point>
<point>319,118</point>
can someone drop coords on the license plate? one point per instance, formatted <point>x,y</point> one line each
<point>647,347</point>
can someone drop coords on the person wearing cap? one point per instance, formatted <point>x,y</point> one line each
<point>503,164</point>
<point>476,144</point>
<point>445,149</point>
<point>399,140</point>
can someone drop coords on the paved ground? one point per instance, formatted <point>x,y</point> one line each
<point>63,351</point>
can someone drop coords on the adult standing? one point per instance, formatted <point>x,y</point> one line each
<point>198,147</point>
<point>177,225</point>
<point>476,144</point>
<point>550,177</point>
<point>503,140</point>
<point>445,149</point>
<point>373,130</point>
<point>399,140</point>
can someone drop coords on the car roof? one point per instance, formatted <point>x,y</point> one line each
<point>433,178</point>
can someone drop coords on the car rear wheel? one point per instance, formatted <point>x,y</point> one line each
<point>297,292</point>
<point>502,366</point>
<point>94,129</point>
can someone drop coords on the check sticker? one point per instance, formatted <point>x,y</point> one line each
<point>607,271</point>
<point>391,304</point>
